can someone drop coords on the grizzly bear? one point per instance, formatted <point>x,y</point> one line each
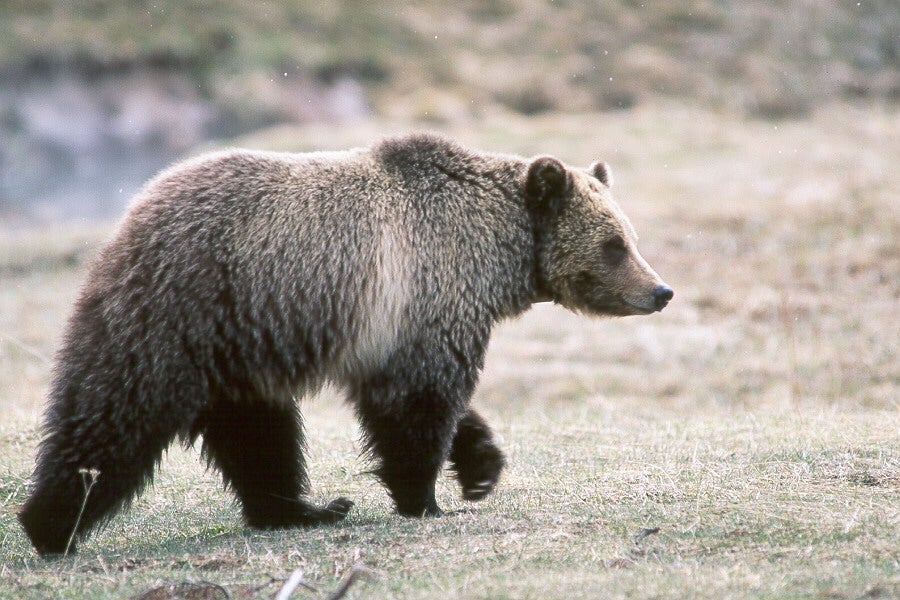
<point>240,281</point>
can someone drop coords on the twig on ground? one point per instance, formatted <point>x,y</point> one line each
<point>358,570</point>
<point>646,531</point>
<point>290,585</point>
<point>253,591</point>
<point>188,590</point>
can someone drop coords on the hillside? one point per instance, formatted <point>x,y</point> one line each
<point>769,58</point>
<point>97,95</point>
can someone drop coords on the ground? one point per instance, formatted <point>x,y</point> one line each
<point>741,443</point>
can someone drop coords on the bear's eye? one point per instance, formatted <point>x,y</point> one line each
<point>614,250</point>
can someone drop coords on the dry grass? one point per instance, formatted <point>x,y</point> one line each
<point>754,422</point>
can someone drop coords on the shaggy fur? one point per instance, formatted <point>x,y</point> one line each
<point>241,280</point>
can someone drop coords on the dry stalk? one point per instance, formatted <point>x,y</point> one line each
<point>86,475</point>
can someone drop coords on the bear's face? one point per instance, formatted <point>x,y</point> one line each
<point>587,257</point>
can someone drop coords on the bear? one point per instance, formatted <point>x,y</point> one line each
<point>240,281</point>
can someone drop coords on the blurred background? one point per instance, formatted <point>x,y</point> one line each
<point>754,143</point>
<point>97,95</point>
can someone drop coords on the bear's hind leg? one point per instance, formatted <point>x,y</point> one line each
<point>95,458</point>
<point>475,457</point>
<point>258,447</point>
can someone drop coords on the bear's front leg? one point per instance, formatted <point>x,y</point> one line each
<point>475,457</point>
<point>409,423</point>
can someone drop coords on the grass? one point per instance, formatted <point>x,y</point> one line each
<point>752,505</point>
<point>743,443</point>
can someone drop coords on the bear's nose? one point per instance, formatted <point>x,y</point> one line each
<point>661,296</point>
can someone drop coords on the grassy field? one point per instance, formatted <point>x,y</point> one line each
<point>743,443</point>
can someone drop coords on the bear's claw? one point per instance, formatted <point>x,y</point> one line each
<point>478,490</point>
<point>337,509</point>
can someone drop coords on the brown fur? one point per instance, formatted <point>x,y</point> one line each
<point>240,280</point>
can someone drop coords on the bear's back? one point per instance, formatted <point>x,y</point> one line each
<point>326,262</point>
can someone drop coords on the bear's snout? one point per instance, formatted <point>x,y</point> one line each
<point>661,296</point>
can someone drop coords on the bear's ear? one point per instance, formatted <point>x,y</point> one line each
<point>546,183</point>
<point>601,171</point>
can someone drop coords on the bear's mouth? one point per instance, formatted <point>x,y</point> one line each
<point>637,308</point>
<point>618,306</point>
<point>587,293</point>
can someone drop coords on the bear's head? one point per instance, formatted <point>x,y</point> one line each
<point>587,259</point>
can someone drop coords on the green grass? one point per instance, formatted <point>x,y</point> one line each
<point>754,422</point>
